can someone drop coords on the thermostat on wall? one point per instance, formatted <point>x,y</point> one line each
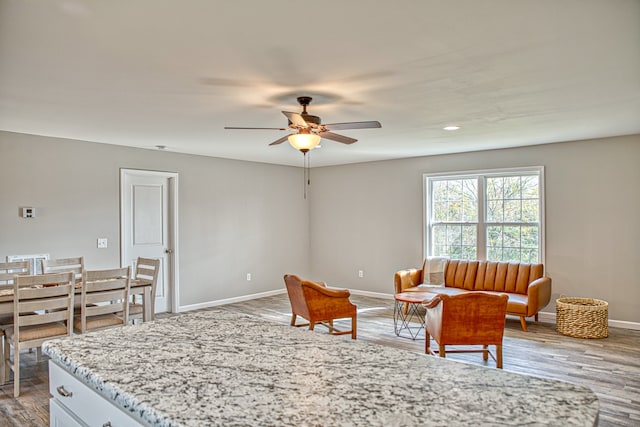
<point>28,212</point>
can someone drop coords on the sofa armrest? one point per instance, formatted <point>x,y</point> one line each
<point>538,295</point>
<point>409,278</point>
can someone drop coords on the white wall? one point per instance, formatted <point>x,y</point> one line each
<point>369,217</point>
<point>238,217</point>
<point>234,217</point>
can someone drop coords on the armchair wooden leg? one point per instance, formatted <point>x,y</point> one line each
<point>535,317</point>
<point>354,323</point>
<point>485,352</point>
<point>311,325</point>
<point>427,343</point>
<point>523,323</point>
<point>406,308</point>
<point>441,351</point>
<point>293,320</point>
<point>499,356</point>
<point>331,326</point>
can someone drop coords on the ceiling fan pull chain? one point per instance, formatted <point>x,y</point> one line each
<point>304,177</point>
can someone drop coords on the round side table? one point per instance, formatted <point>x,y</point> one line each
<point>408,315</point>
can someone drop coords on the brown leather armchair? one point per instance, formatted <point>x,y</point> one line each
<point>318,304</point>
<point>474,318</point>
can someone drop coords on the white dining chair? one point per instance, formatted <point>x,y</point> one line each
<point>7,271</point>
<point>43,309</point>
<point>75,265</point>
<point>147,270</point>
<point>104,299</point>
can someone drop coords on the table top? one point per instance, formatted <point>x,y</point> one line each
<point>414,297</point>
<point>226,368</point>
<point>6,291</point>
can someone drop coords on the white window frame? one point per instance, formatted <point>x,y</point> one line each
<point>427,180</point>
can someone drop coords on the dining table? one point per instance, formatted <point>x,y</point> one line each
<point>137,287</point>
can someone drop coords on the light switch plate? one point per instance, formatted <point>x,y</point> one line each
<point>102,243</point>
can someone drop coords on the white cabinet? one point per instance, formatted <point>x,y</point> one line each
<point>74,404</point>
<point>61,417</point>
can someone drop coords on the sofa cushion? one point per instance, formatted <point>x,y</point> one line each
<point>508,277</point>
<point>517,304</point>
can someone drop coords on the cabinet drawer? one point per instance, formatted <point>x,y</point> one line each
<point>84,403</point>
<point>61,417</point>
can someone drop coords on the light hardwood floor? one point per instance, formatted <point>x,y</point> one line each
<point>610,367</point>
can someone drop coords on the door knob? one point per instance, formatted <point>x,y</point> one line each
<point>168,251</point>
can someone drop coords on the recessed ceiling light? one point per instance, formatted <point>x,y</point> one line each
<point>452,127</point>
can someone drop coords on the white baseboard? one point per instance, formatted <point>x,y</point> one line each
<point>371,294</point>
<point>543,316</point>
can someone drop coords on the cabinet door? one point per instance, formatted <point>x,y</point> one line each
<point>60,417</point>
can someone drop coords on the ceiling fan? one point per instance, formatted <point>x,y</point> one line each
<point>309,129</point>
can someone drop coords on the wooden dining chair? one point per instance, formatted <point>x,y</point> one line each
<point>40,313</point>
<point>10,269</point>
<point>7,271</point>
<point>104,299</point>
<point>75,265</point>
<point>59,265</point>
<point>147,270</point>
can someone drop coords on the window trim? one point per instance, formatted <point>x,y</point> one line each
<point>427,182</point>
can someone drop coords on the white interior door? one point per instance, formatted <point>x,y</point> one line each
<point>147,224</point>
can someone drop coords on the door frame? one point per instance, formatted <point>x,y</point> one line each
<point>172,178</point>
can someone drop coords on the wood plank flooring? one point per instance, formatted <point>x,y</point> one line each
<point>610,366</point>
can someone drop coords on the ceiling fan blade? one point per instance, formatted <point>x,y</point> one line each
<point>279,141</point>
<point>338,138</point>
<point>353,125</point>
<point>230,127</point>
<point>296,119</point>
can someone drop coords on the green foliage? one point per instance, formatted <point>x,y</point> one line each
<point>512,216</point>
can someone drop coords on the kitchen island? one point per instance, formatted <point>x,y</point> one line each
<point>222,368</point>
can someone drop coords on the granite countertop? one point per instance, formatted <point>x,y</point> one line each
<point>222,368</point>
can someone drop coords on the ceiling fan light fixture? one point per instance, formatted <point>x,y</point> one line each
<point>304,141</point>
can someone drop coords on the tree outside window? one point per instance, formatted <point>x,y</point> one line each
<point>494,216</point>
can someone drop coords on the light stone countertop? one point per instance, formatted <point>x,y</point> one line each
<point>221,368</point>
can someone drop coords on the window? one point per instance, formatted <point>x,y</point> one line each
<point>495,215</point>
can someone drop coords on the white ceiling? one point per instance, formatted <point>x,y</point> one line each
<point>174,72</point>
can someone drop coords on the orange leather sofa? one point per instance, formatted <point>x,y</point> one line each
<point>525,284</point>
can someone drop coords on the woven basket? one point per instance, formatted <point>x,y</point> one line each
<point>582,317</point>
